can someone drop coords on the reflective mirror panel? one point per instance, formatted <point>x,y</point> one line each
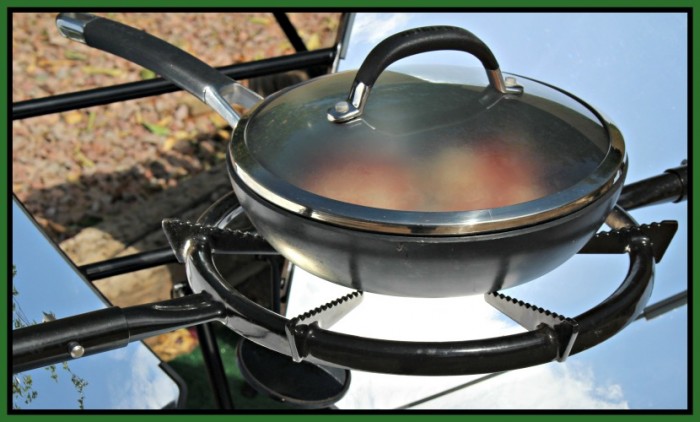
<point>45,285</point>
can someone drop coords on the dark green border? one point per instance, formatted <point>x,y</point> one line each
<point>619,6</point>
<point>4,205</point>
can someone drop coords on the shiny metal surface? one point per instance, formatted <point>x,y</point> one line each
<point>220,99</point>
<point>222,240</point>
<point>353,107</point>
<point>504,86</point>
<point>342,39</point>
<point>46,282</point>
<point>324,316</point>
<point>76,350</point>
<point>72,25</point>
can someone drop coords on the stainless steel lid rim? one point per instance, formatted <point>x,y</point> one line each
<point>613,188</point>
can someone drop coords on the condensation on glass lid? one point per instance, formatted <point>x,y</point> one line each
<point>490,174</point>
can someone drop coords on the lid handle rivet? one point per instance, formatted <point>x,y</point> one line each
<point>342,107</point>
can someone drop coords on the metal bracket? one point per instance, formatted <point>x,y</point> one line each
<point>617,241</point>
<point>225,241</point>
<point>532,317</point>
<point>324,317</point>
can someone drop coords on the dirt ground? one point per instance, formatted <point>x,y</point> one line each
<point>100,180</point>
<point>76,168</point>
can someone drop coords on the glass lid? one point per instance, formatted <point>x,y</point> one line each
<point>425,156</point>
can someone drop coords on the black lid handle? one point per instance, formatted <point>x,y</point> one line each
<point>408,43</point>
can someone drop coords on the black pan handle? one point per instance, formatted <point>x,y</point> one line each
<point>184,70</point>
<point>670,186</point>
<point>408,43</point>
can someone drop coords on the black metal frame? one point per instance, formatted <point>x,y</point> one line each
<point>158,86</point>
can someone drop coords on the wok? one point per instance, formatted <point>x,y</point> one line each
<point>426,188</point>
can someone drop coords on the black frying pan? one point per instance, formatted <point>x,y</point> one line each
<point>398,251</point>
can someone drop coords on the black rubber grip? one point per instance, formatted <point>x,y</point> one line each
<point>421,40</point>
<point>141,48</point>
<point>670,186</point>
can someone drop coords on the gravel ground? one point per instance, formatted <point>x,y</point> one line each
<point>76,168</point>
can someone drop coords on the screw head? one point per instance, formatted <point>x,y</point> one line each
<point>75,350</point>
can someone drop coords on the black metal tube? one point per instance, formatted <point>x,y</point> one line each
<point>624,305</point>
<point>671,186</point>
<point>127,264</point>
<point>290,31</point>
<point>433,358</point>
<point>133,90</point>
<point>215,366</point>
<point>48,343</point>
<point>661,307</point>
<point>495,354</point>
<point>107,329</point>
<point>275,284</point>
<point>144,260</point>
<point>157,318</point>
